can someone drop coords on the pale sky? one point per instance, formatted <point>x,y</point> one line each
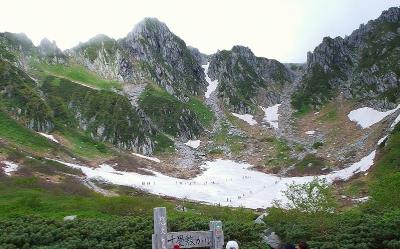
<point>279,29</point>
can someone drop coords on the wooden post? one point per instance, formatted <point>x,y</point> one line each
<point>217,234</point>
<point>160,228</point>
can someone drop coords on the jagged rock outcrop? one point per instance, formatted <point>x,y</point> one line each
<point>166,57</point>
<point>245,80</point>
<point>17,49</point>
<point>50,52</point>
<point>363,65</point>
<point>22,100</point>
<point>149,53</point>
<point>201,58</point>
<point>102,55</point>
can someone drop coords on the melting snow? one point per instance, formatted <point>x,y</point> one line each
<point>10,167</point>
<point>367,116</point>
<point>212,84</point>
<point>147,157</point>
<point>246,117</point>
<point>193,143</point>
<point>395,122</point>
<point>380,141</point>
<point>271,115</point>
<point>310,132</point>
<point>48,136</point>
<point>223,182</point>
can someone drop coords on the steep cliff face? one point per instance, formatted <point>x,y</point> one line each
<point>102,55</point>
<point>149,53</point>
<point>50,52</point>
<point>166,57</point>
<point>105,116</point>
<point>245,80</point>
<point>363,65</point>
<point>22,100</point>
<point>17,49</point>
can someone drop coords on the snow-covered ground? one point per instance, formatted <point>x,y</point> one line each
<point>380,141</point>
<point>10,167</point>
<point>212,84</point>
<point>366,116</point>
<point>223,182</point>
<point>48,136</point>
<point>271,115</point>
<point>310,132</point>
<point>154,159</point>
<point>193,143</point>
<point>246,117</point>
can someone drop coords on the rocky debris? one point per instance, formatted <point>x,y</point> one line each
<point>133,92</point>
<point>70,218</point>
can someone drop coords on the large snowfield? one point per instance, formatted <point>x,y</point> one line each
<point>367,116</point>
<point>223,182</point>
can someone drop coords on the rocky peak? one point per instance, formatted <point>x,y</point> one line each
<point>50,51</point>
<point>331,54</point>
<point>166,58</point>
<point>246,81</point>
<point>200,57</point>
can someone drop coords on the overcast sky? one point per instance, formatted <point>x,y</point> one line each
<point>280,29</point>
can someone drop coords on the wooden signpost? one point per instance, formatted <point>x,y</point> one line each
<point>161,239</point>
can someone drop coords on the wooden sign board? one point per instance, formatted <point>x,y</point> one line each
<point>161,239</point>
<point>189,239</point>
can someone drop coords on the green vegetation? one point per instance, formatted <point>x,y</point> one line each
<point>92,47</point>
<point>20,97</point>
<point>107,116</point>
<point>331,113</point>
<point>31,212</point>
<point>282,158</point>
<point>315,92</point>
<point>317,145</point>
<point>310,164</point>
<point>171,115</point>
<point>79,74</point>
<point>234,142</point>
<point>375,224</point>
<point>21,136</point>
<point>202,111</point>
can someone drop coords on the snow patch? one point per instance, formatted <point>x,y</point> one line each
<point>193,143</point>
<point>361,200</point>
<point>223,182</point>
<point>395,122</point>
<point>48,136</point>
<point>366,116</point>
<point>212,84</point>
<point>380,141</point>
<point>310,132</point>
<point>10,167</point>
<point>271,115</point>
<point>147,157</point>
<point>246,117</point>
